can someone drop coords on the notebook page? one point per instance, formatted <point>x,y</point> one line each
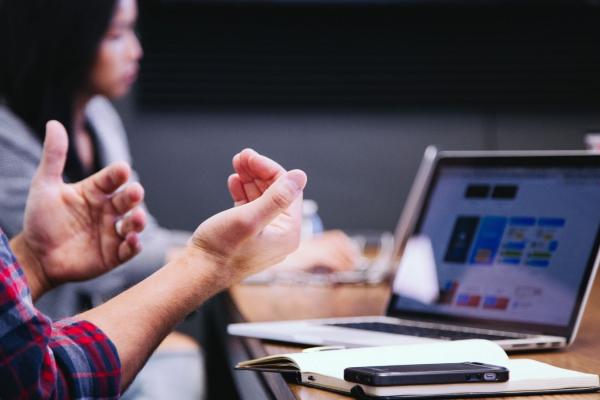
<point>332,363</point>
<point>530,375</point>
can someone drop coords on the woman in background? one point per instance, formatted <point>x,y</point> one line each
<point>63,60</point>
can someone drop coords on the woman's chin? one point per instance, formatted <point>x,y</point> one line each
<point>117,92</point>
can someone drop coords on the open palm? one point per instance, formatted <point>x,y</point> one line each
<point>71,228</point>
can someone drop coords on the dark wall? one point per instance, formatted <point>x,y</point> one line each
<point>352,95</point>
<point>363,54</point>
<point>360,164</point>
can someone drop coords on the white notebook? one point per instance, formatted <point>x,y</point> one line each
<point>325,369</point>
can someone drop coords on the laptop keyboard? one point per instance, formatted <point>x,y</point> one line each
<point>423,331</point>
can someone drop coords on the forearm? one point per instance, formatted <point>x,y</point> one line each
<point>138,319</point>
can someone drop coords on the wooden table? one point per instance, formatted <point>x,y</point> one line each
<point>280,302</point>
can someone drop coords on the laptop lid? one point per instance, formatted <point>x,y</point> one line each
<point>514,236</point>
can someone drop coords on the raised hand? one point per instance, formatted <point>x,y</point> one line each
<point>329,251</point>
<point>70,230</point>
<point>254,173</point>
<point>263,228</point>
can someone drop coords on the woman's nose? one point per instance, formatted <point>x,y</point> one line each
<point>135,48</point>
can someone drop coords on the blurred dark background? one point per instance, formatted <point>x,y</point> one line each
<point>352,92</point>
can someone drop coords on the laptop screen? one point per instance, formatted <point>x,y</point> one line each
<point>514,241</point>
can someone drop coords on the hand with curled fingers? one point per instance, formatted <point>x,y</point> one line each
<point>254,173</point>
<point>81,230</point>
<point>262,228</point>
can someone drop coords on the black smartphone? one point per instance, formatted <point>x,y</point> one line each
<point>424,374</point>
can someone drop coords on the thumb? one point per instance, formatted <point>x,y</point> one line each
<point>54,153</point>
<point>276,199</point>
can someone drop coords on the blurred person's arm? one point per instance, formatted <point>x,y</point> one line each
<point>331,250</point>
<point>20,153</point>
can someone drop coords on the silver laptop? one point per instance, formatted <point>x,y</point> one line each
<point>507,240</point>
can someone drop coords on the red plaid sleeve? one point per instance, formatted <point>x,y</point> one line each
<point>41,359</point>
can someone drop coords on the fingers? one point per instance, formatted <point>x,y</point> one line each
<point>240,165</point>
<point>345,249</point>
<point>239,168</point>
<point>135,222</point>
<point>339,259</point>
<point>256,173</point>
<point>130,246</point>
<point>252,191</point>
<point>236,189</point>
<point>54,153</point>
<point>261,167</point>
<point>253,167</point>
<point>277,199</point>
<point>332,250</point>
<point>249,188</point>
<point>108,179</point>
<point>129,229</point>
<point>128,198</point>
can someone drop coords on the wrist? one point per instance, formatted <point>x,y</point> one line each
<point>210,270</point>
<point>32,267</point>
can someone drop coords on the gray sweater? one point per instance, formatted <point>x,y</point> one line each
<point>20,153</point>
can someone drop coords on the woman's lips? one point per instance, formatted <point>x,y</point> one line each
<point>131,77</point>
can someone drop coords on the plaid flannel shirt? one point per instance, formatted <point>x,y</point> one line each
<point>41,359</point>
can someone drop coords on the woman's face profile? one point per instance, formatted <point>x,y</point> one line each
<point>117,61</point>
